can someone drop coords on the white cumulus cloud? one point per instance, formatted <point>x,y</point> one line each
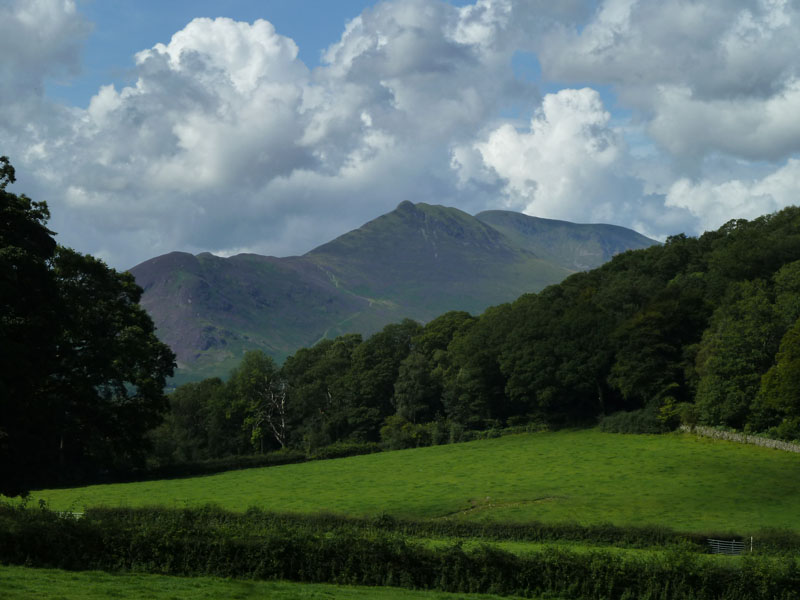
<point>715,203</point>
<point>562,165</point>
<point>712,76</point>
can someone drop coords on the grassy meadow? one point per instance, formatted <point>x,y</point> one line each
<point>21,583</point>
<point>678,480</point>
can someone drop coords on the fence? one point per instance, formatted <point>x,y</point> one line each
<point>728,547</point>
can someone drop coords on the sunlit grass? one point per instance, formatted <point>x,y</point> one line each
<point>677,480</point>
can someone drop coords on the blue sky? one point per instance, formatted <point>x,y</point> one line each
<point>121,28</point>
<point>274,126</point>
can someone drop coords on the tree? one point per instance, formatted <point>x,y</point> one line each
<point>736,350</point>
<point>473,382</point>
<point>556,356</point>
<point>372,376</point>
<point>258,389</point>
<point>81,370</point>
<point>27,328</point>
<point>419,386</point>
<point>778,401</point>
<point>417,394</point>
<point>200,424</point>
<point>317,394</point>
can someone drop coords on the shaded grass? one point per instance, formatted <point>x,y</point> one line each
<point>676,480</point>
<point>21,583</point>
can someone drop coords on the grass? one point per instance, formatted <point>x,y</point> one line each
<point>21,583</point>
<point>677,480</point>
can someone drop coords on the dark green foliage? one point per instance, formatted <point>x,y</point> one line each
<point>397,433</point>
<point>81,370</point>
<point>343,449</point>
<point>737,349</point>
<point>318,394</point>
<point>643,420</point>
<point>693,320</point>
<point>334,549</point>
<point>420,383</point>
<point>557,355</point>
<point>778,401</point>
<point>418,390</point>
<point>258,394</point>
<point>201,424</point>
<point>28,330</point>
<point>371,379</point>
<point>474,384</point>
<point>106,384</point>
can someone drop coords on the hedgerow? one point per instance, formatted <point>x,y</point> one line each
<point>327,548</point>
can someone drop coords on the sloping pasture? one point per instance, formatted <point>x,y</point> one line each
<point>679,481</point>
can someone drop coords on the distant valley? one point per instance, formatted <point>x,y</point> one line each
<point>417,261</point>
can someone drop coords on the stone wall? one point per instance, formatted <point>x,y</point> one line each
<point>742,438</point>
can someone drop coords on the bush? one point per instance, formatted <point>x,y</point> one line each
<point>343,449</point>
<point>398,434</point>
<point>644,420</point>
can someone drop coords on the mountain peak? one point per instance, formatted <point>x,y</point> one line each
<point>405,205</point>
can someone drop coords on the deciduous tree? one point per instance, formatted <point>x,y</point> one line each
<point>81,370</point>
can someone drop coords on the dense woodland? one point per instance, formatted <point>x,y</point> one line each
<point>697,330</point>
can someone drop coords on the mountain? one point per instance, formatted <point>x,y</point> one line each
<point>417,261</point>
<point>574,246</point>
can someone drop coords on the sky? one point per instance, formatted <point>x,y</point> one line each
<point>273,126</point>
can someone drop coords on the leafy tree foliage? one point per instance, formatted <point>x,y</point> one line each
<point>371,379</point>
<point>318,391</point>
<point>259,394</point>
<point>474,383</point>
<point>778,401</point>
<point>81,370</point>
<point>736,350</point>
<point>419,388</point>
<point>199,425</point>
<point>110,370</point>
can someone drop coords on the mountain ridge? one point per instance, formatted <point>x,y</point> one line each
<point>417,261</point>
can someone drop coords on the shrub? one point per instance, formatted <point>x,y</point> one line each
<point>644,420</point>
<point>343,449</point>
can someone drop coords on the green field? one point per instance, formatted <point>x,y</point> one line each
<point>20,583</point>
<point>588,477</point>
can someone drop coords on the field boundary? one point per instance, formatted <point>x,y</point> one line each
<point>742,438</point>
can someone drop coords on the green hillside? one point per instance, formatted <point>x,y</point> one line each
<point>574,246</point>
<point>676,480</point>
<point>434,259</point>
<point>417,261</point>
